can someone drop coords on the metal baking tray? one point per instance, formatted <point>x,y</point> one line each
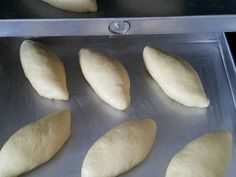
<point>91,117</point>
<point>28,9</point>
<point>36,18</point>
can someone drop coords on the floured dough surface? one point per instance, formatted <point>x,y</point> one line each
<point>107,76</point>
<point>74,5</point>
<point>120,149</point>
<point>206,156</point>
<point>44,70</point>
<point>176,77</point>
<point>34,144</point>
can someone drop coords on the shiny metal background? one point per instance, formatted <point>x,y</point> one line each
<point>36,18</point>
<point>91,117</point>
<point>28,9</point>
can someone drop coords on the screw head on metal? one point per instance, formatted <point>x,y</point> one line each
<point>119,27</point>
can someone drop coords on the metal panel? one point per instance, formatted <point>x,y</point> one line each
<point>36,18</point>
<point>25,9</point>
<point>91,117</point>
<point>98,27</point>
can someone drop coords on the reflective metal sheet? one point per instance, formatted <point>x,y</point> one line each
<point>91,117</point>
<point>37,18</point>
<point>21,9</point>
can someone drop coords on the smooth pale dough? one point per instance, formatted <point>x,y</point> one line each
<point>120,149</point>
<point>34,144</point>
<point>74,5</point>
<point>207,156</point>
<point>44,70</point>
<point>107,77</point>
<point>176,77</point>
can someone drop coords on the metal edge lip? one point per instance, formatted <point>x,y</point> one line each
<point>229,65</point>
<point>122,18</point>
<point>99,26</point>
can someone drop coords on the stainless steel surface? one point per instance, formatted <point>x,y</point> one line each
<point>98,27</point>
<point>91,117</point>
<point>21,9</point>
<point>36,18</point>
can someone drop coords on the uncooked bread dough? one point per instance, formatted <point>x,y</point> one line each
<point>34,144</point>
<point>107,76</point>
<point>207,156</point>
<point>44,70</point>
<point>120,149</point>
<point>74,5</point>
<point>176,77</point>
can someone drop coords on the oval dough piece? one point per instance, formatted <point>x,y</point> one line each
<point>74,5</point>
<point>207,156</point>
<point>120,149</point>
<point>176,77</point>
<point>34,144</point>
<point>44,70</point>
<point>107,76</point>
